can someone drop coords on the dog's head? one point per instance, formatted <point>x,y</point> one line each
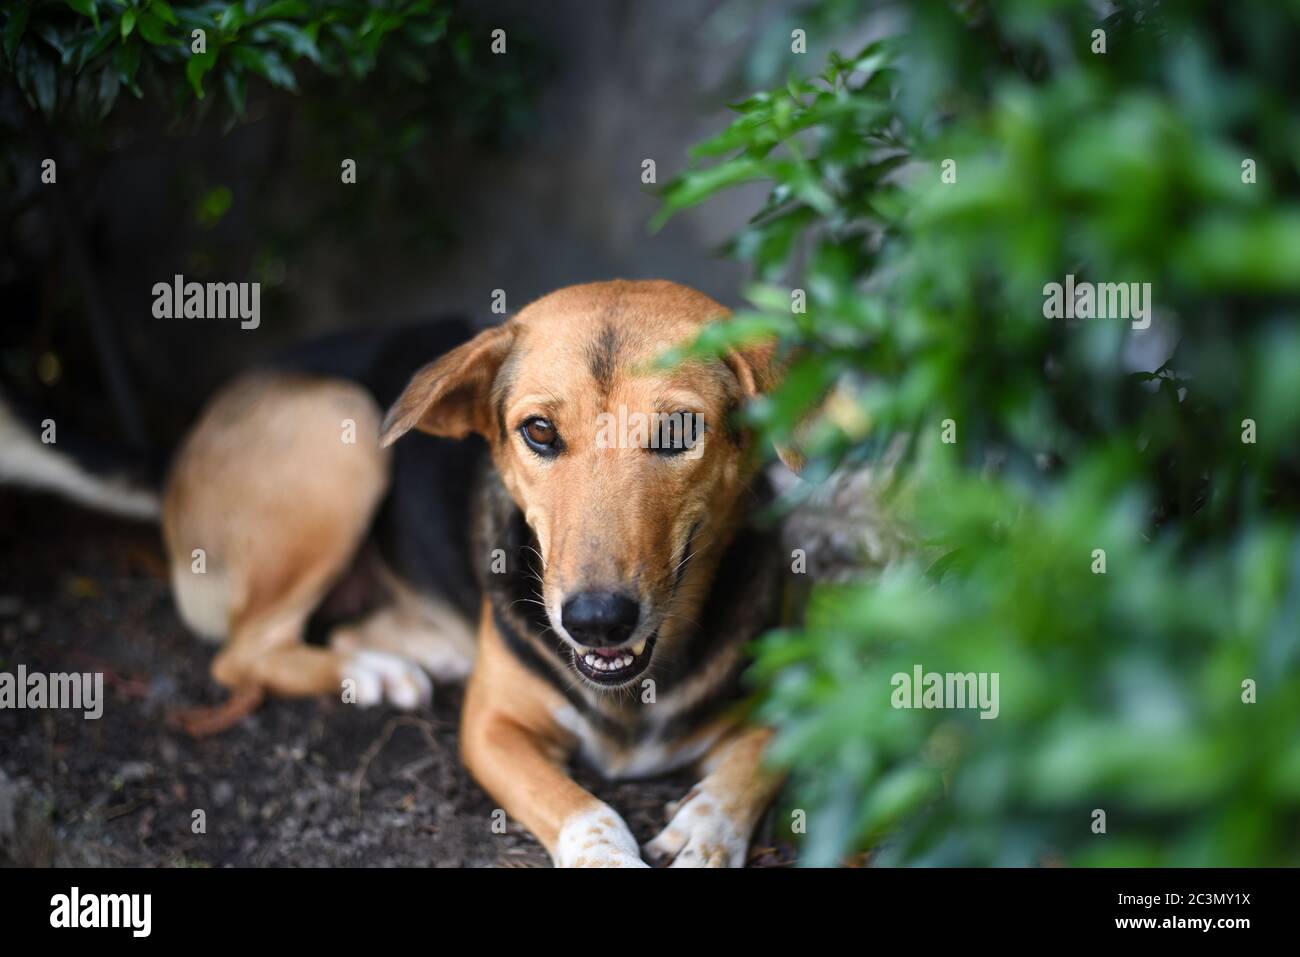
<point>628,473</point>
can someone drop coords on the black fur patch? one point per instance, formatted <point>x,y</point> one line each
<point>602,357</point>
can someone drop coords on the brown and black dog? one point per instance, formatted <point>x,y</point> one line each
<point>615,580</point>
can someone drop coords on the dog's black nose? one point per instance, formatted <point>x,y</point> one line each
<point>600,619</point>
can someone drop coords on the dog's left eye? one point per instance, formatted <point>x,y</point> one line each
<point>541,436</point>
<point>679,433</point>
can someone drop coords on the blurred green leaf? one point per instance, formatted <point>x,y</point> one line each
<point>14,27</point>
<point>198,66</point>
<point>922,197</point>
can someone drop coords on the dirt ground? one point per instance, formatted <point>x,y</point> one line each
<point>300,783</point>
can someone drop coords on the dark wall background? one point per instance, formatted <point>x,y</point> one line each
<point>552,196</point>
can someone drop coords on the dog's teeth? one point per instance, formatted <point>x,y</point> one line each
<point>638,647</point>
<point>617,663</point>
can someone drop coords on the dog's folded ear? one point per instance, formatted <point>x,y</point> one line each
<point>758,372</point>
<point>450,396</point>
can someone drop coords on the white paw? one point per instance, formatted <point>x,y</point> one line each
<point>597,838</point>
<point>700,834</point>
<point>380,676</point>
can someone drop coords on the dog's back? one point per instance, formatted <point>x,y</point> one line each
<point>421,528</point>
<point>272,498</point>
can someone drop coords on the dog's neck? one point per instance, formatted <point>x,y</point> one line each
<point>727,595</point>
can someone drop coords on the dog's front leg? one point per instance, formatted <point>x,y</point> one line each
<point>529,780</point>
<point>518,754</point>
<point>711,826</point>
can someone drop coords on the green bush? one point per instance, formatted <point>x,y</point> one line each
<point>79,55</point>
<point>925,302</point>
<point>388,82</point>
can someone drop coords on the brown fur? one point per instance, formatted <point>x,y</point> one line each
<point>603,517</point>
<point>266,487</point>
<point>279,503</point>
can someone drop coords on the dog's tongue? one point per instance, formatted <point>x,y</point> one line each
<point>607,652</point>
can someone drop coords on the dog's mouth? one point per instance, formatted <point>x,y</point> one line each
<point>612,667</point>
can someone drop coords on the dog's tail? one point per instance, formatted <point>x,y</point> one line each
<point>34,455</point>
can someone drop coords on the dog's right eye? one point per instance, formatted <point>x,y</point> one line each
<point>541,436</point>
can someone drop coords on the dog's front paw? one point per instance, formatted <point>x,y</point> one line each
<point>597,838</point>
<point>380,676</point>
<point>699,834</point>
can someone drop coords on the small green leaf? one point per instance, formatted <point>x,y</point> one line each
<point>281,10</point>
<point>45,85</point>
<point>265,63</point>
<point>213,205</point>
<point>48,33</point>
<point>92,45</point>
<point>14,28</point>
<point>153,30</point>
<point>297,40</point>
<point>126,60</point>
<point>236,85</point>
<point>695,186</point>
<point>197,67</point>
<point>86,8</point>
<point>128,22</point>
<point>163,11</point>
<point>108,89</point>
<point>232,18</point>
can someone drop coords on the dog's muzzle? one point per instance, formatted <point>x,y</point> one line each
<point>602,623</point>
